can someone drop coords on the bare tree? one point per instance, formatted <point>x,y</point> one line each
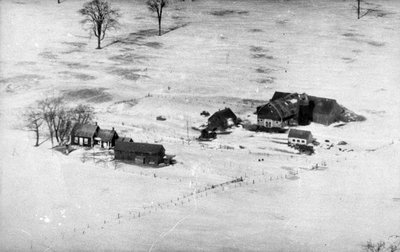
<point>157,6</point>
<point>50,109</point>
<point>100,17</point>
<point>83,114</point>
<point>34,120</point>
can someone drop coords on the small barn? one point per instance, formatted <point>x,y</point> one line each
<point>221,120</point>
<point>299,137</point>
<point>124,139</point>
<point>84,134</point>
<point>140,153</point>
<point>106,138</point>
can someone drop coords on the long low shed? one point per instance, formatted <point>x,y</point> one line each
<point>140,153</point>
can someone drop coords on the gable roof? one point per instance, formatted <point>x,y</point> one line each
<point>106,135</point>
<point>303,134</point>
<point>124,139</point>
<point>85,130</point>
<point>278,95</point>
<point>224,113</point>
<point>146,148</point>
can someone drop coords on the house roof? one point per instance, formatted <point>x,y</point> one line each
<point>106,135</point>
<point>85,130</point>
<point>303,134</point>
<point>124,139</point>
<point>146,148</point>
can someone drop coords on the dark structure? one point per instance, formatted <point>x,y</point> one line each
<point>106,138</point>
<point>299,137</point>
<point>140,153</point>
<point>124,139</point>
<point>324,111</point>
<point>206,135</point>
<point>84,134</point>
<point>221,120</point>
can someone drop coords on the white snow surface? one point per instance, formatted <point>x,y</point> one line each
<point>50,201</point>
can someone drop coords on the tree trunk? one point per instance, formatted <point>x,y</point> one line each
<point>358,9</point>
<point>99,36</point>
<point>37,136</point>
<point>159,26</point>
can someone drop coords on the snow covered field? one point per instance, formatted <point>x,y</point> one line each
<point>214,54</point>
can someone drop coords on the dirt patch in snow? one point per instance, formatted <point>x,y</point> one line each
<point>128,74</point>
<point>74,65</point>
<point>95,95</point>
<point>262,56</point>
<point>20,82</point>
<point>221,13</point>
<point>255,30</point>
<point>127,57</point>
<point>264,70</point>
<point>79,76</point>
<point>48,55</point>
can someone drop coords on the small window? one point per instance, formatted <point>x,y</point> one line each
<point>293,140</point>
<point>76,140</point>
<point>298,140</point>
<point>85,141</point>
<point>303,141</point>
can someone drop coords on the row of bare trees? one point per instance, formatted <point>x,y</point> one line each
<point>57,118</point>
<point>99,16</point>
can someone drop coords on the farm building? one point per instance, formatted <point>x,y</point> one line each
<point>124,139</point>
<point>84,134</point>
<point>140,153</point>
<point>277,113</point>
<point>106,138</point>
<point>312,108</point>
<point>299,137</point>
<point>222,120</point>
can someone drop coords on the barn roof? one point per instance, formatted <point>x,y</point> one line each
<point>284,107</point>
<point>303,134</point>
<point>146,148</point>
<point>124,139</point>
<point>106,135</point>
<point>85,130</point>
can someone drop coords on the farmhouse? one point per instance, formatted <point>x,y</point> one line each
<point>299,137</point>
<point>277,113</point>
<point>84,134</point>
<point>140,153</point>
<point>222,120</point>
<point>106,138</point>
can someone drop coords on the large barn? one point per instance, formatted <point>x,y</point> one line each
<point>84,134</point>
<point>140,153</point>
<point>277,113</point>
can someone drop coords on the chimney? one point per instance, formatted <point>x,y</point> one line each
<point>95,123</point>
<point>112,128</point>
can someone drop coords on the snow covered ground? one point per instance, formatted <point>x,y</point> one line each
<point>214,54</point>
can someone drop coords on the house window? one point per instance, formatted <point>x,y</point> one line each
<point>86,141</point>
<point>303,141</point>
<point>76,140</point>
<point>298,140</point>
<point>293,140</point>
